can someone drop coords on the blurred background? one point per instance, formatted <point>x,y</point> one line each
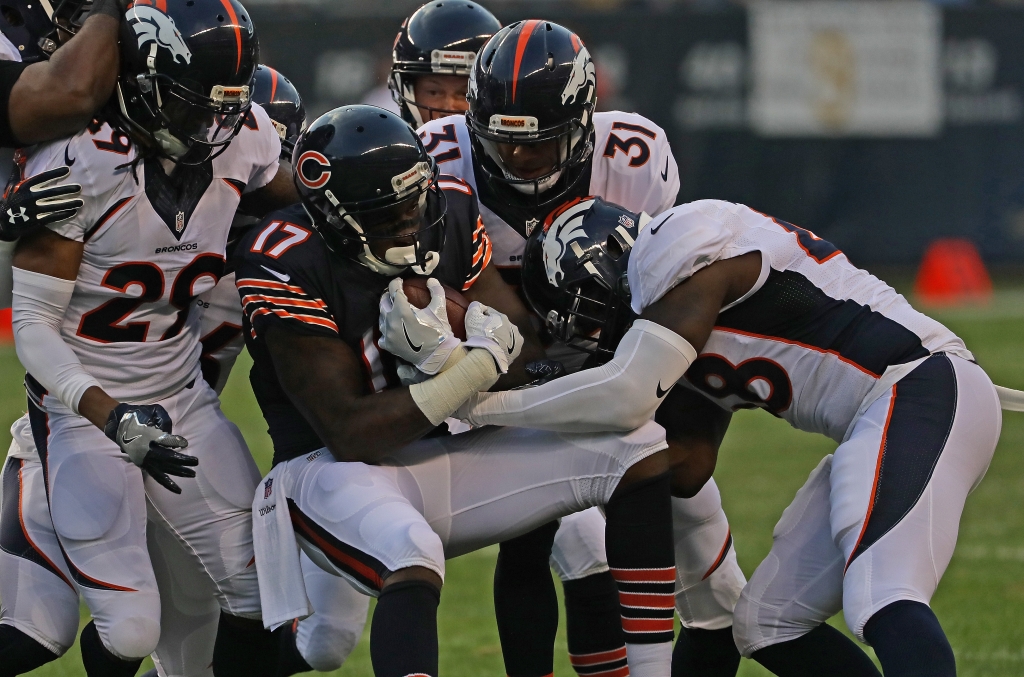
<point>881,126</point>
<point>893,129</point>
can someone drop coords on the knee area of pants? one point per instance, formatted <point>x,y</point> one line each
<point>747,629</point>
<point>131,638</point>
<point>328,648</point>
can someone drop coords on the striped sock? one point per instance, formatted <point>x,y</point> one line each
<point>647,602</point>
<point>641,556</point>
<point>601,664</point>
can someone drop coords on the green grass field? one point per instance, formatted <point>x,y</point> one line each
<point>763,462</point>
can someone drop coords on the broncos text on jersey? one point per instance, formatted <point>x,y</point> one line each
<point>632,166</point>
<point>287,277</point>
<point>152,245</point>
<point>814,341</point>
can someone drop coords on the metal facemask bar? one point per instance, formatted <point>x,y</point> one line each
<point>68,16</point>
<point>601,341</point>
<point>575,145</point>
<point>420,256</point>
<point>226,106</point>
<point>442,62</point>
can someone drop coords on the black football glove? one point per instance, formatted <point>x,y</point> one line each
<point>144,433</point>
<point>542,371</point>
<point>35,202</point>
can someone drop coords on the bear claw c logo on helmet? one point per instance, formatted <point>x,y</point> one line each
<point>152,25</point>
<point>305,164</point>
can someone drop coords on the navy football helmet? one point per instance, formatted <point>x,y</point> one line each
<point>31,25</point>
<point>364,175</point>
<point>282,102</point>
<point>574,273</point>
<point>186,70</point>
<point>442,38</point>
<point>533,83</point>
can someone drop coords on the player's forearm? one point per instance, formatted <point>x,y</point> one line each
<point>621,395</point>
<point>95,405</point>
<point>40,302</point>
<point>371,427</point>
<point>60,96</point>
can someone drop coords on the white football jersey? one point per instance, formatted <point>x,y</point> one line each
<point>632,166</point>
<point>150,250</point>
<point>812,339</point>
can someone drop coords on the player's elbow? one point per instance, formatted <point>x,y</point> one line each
<point>81,102</point>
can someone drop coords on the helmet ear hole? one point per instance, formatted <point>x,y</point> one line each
<point>12,16</point>
<point>614,247</point>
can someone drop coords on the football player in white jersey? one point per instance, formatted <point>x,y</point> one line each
<point>741,310</point>
<point>39,600</point>
<point>530,141</point>
<point>105,316</point>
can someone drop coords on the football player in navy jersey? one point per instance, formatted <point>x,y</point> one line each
<point>713,307</point>
<point>358,479</point>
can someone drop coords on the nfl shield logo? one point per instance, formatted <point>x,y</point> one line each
<point>179,222</point>
<point>268,487</point>
<point>530,225</point>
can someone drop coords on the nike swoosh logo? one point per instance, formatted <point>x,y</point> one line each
<point>664,174</point>
<point>125,440</point>
<point>658,227</point>
<point>415,348</point>
<point>67,159</point>
<point>284,277</point>
<point>661,393</point>
<point>512,348</point>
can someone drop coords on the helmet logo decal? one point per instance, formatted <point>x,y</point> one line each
<point>524,38</point>
<point>583,74</point>
<point>566,228</point>
<point>152,25</point>
<point>307,169</point>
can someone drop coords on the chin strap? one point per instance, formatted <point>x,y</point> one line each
<point>396,260</point>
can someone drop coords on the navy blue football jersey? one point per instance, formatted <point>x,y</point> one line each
<point>287,276</point>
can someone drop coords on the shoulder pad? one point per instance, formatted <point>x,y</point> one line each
<point>671,248</point>
<point>633,164</point>
<point>446,139</point>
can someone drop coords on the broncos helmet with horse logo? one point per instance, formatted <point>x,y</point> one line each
<point>186,72</point>
<point>533,83</point>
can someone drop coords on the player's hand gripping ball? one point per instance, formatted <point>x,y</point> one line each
<point>423,336</point>
<point>143,432</point>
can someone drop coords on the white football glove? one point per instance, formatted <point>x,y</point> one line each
<point>420,336</point>
<point>491,330</point>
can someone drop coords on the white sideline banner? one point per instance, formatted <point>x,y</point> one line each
<point>845,68</point>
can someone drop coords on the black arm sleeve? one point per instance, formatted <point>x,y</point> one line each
<point>10,71</point>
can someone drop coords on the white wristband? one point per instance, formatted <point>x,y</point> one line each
<point>438,397</point>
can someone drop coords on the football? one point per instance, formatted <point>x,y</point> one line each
<point>416,291</point>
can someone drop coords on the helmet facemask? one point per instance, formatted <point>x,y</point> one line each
<point>575,274</point>
<point>414,225</point>
<point>571,146</point>
<point>190,128</point>
<point>403,76</point>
